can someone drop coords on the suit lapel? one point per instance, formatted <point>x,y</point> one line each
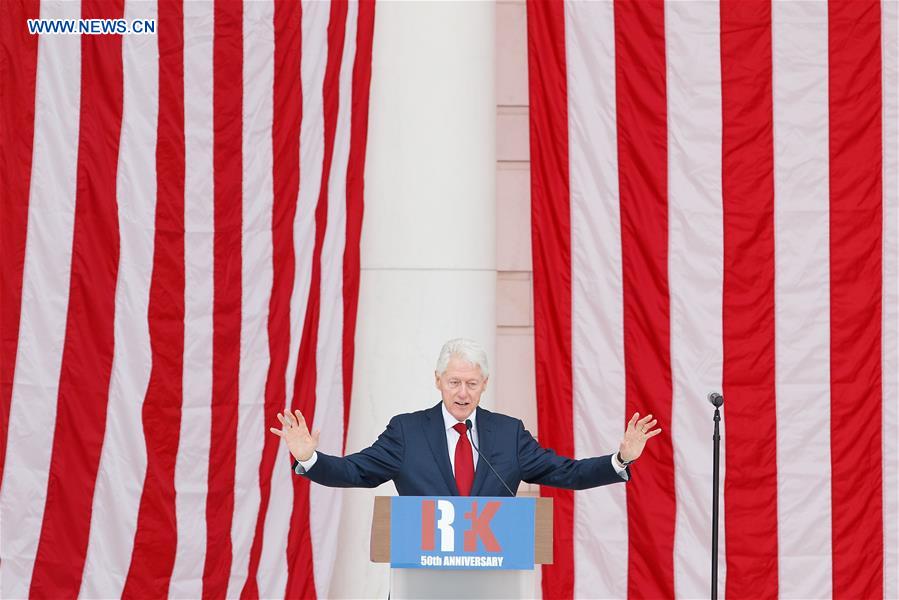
<point>485,446</point>
<point>436,436</point>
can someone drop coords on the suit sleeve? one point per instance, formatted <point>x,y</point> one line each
<point>368,468</point>
<point>545,467</point>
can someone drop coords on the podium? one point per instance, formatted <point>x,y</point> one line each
<point>451,547</point>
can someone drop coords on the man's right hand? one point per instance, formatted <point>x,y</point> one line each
<point>295,434</point>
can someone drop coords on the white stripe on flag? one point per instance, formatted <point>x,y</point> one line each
<point>313,59</point>
<point>890,46</point>
<point>123,461</point>
<point>256,273</point>
<point>191,466</point>
<point>696,266</point>
<point>272,577</point>
<point>597,337</point>
<point>45,293</point>
<point>324,502</point>
<point>802,297</point>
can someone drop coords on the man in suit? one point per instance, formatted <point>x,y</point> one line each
<point>434,452</point>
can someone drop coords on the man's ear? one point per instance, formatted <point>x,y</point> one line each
<point>486,379</point>
<point>437,380</point>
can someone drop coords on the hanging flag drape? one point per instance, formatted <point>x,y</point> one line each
<point>714,207</point>
<point>181,215</point>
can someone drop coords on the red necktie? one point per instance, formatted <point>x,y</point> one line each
<point>463,463</point>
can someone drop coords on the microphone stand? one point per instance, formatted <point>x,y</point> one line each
<point>717,400</point>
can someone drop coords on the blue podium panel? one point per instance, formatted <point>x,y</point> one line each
<point>461,532</point>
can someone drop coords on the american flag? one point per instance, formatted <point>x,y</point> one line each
<point>714,208</point>
<point>181,215</point>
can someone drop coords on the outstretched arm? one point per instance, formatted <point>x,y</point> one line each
<point>368,468</point>
<point>543,466</point>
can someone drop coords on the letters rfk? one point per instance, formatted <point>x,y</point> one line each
<point>480,526</point>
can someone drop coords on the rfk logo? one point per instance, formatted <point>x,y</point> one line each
<point>480,526</point>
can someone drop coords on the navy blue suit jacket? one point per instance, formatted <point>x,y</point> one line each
<point>412,452</point>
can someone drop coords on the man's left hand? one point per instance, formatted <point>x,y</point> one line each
<point>635,436</point>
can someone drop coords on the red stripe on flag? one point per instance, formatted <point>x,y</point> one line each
<point>750,486</point>
<point>19,74</point>
<point>641,106</point>
<point>300,579</point>
<point>155,539</point>
<point>354,195</point>
<point>551,233</point>
<point>227,102</point>
<point>88,349</point>
<point>856,270</point>
<point>286,119</point>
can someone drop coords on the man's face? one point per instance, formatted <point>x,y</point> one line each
<point>461,386</point>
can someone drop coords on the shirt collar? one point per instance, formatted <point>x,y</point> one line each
<point>449,420</point>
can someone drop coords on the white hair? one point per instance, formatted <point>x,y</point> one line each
<point>468,350</point>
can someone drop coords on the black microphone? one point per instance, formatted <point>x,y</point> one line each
<point>716,399</point>
<point>471,439</point>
